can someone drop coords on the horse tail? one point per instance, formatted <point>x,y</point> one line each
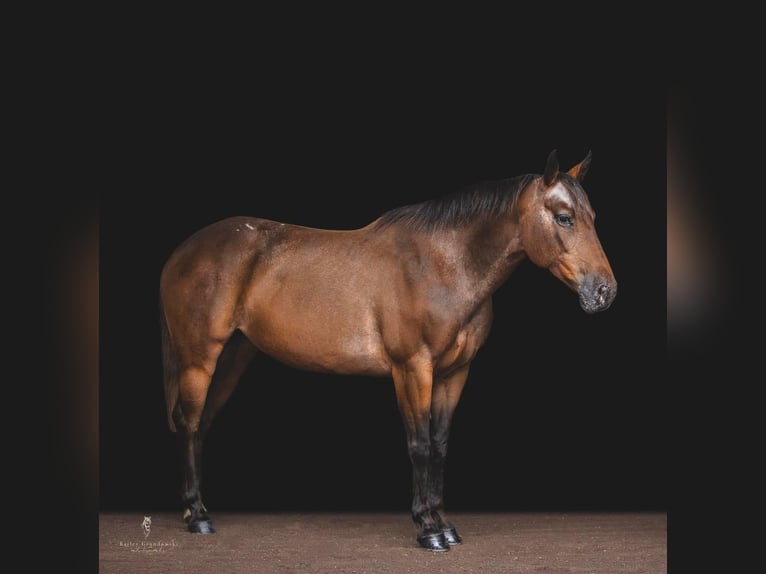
<point>169,369</point>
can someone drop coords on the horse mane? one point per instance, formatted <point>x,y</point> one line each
<point>484,200</point>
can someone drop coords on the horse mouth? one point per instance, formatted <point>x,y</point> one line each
<point>597,297</point>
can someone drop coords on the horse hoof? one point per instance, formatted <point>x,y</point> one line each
<point>451,536</point>
<point>201,527</point>
<point>433,542</point>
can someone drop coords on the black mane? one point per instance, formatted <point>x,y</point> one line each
<point>483,200</point>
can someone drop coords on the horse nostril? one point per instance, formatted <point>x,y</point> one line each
<point>602,293</point>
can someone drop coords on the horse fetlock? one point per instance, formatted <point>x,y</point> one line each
<point>425,522</point>
<point>438,518</point>
<point>195,511</point>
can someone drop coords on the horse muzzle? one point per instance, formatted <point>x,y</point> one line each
<point>597,293</point>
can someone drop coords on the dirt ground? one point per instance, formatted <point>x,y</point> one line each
<point>385,543</point>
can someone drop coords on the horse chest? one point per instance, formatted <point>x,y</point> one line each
<point>461,348</point>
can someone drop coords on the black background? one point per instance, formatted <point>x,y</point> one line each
<point>562,410</point>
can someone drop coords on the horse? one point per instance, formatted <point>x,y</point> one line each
<point>408,296</point>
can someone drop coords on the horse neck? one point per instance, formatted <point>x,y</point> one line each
<point>492,252</point>
<point>486,252</point>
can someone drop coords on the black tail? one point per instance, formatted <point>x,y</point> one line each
<point>169,368</point>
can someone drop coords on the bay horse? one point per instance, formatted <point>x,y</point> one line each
<point>408,296</point>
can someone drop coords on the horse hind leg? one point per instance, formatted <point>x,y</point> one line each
<point>193,386</point>
<point>234,359</point>
<point>195,374</point>
<point>202,392</point>
<point>195,514</point>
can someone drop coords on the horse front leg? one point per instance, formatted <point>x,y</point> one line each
<point>445,396</point>
<point>413,383</point>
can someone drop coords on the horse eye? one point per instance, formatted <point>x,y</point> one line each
<point>564,220</point>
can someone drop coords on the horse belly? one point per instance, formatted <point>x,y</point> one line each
<point>323,338</point>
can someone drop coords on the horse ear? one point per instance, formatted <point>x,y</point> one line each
<point>551,168</point>
<point>578,172</point>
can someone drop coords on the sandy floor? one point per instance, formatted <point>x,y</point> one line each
<point>385,543</point>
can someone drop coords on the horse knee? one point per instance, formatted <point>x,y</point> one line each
<point>420,452</point>
<point>439,450</point>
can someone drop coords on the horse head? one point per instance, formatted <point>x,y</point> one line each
<point>558,233</point>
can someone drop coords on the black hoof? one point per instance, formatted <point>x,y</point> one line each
<point>451,536</point>
<point>433,542</point>
<point>201,527</point>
